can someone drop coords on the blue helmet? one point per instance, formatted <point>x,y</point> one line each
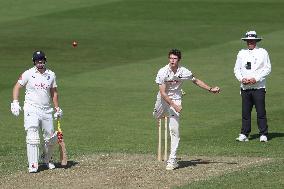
<point>39,55</point>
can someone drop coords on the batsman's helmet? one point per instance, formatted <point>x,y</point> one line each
<point>38,55</point>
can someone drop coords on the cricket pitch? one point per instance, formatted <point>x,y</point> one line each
<point>129,171</point>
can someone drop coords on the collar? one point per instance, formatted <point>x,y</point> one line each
<point>255,48</point>
<point>168,67</point>
<point>36,71</point>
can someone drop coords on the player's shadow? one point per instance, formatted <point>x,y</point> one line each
<point>270,136</point>
<point>58,165</point>
<point>196,162</point>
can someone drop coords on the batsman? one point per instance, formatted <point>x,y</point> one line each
<point>170,79</point>
<point>41,88</point>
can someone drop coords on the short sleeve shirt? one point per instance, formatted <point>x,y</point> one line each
<point>38,86</point>
<point>173,81</point>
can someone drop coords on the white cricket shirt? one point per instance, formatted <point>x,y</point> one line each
<point>38,86</point>
<point>173,80</point>
<point>252,64</point>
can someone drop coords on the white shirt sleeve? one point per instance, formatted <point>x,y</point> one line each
<point>238,67</point>
<point>187,75</point>
<point>54,84</point>
<point>160,78</point>
<point>265,69</point>
<point>23,79</point>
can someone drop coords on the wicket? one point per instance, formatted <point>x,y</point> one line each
<point>160,138</point>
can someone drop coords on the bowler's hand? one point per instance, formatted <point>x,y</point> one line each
<point>215,90</point>
<point>177,108</point>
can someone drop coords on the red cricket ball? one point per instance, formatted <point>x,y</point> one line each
<point>75,44</point>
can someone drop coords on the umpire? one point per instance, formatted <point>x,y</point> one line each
<point>251,69</point>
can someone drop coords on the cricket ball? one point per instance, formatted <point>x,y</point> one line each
<point>75,44</point>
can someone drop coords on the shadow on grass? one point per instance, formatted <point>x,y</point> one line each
<point>270,136</point>
<point>184,164</point>
<point>70,164</point>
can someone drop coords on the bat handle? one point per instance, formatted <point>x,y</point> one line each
<point>58,126</point>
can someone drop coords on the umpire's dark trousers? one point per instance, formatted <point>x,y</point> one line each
<point>254,97</point>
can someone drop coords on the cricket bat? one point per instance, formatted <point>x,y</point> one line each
<point>62,148</point>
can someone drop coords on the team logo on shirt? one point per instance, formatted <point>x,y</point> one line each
<point>41,86</point>
<point>172,81</point>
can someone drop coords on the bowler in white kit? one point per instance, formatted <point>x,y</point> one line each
<point>170,79</point>
<point>41,88</point>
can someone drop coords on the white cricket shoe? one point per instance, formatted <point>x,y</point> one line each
<point>33,168</point>
<point>50,165</point>
<point>263,138</point>
<point>242,138</point>
<point>171,165</point>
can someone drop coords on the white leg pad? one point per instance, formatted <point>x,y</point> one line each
<point>48,151</point>
<point>49,145</point>
<point>33,141</point>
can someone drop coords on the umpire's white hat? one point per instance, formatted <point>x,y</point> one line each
<point>251,35</point>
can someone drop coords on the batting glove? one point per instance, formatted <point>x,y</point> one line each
<point>15,108</point>
<point>58,113</point>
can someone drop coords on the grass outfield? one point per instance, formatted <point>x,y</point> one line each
<point>106,84</point>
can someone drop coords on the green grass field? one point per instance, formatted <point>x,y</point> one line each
<point>106,84</point>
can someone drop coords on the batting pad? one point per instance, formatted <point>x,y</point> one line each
<point>33,142</point>
<point>49,144</point>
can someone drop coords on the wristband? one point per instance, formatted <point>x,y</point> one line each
<point>210,89</point>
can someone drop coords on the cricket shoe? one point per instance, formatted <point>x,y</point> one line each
<point>171,165</point>
<point>242,138</point>
<point>33,168</point>
<point>50,165</point>
<point>263,138</point>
